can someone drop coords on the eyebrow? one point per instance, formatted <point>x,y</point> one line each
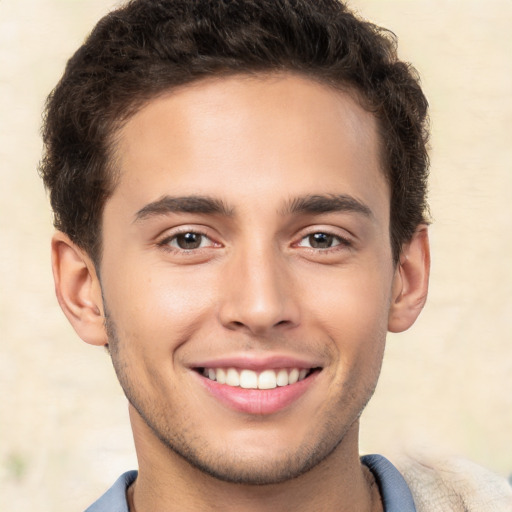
<point>309,204</point>
<point>331,203</point>
<point>187,204</point>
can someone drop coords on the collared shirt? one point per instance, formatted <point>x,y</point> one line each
<point>394,491</point>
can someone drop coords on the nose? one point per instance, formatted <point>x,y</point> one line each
<point>258,294</point>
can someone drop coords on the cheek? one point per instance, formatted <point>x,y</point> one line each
<point>351,298</point>
<point>159,309</point>
<point>351,307</point>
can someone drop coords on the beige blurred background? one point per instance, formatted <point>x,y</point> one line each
<point>446,384</point>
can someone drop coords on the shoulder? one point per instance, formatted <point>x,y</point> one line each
<point>452,483</point>
<point>114,500</point>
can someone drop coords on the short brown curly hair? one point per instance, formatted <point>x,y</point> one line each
<point>149,46</point>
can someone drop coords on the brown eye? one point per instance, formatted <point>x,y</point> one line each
<point>188,241</point>
<point>322,240</point>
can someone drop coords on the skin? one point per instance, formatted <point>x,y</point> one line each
<point>257,287</point>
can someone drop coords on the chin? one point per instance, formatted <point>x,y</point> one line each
<point>266,469</point>
<point>252,461</point>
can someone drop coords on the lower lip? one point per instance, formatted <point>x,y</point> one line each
<point>255,401</point>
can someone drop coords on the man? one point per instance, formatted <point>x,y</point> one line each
<point>239,190</point>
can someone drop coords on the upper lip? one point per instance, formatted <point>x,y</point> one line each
<point>257,363</point>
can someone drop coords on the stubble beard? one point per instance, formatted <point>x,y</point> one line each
<point>227,466</point>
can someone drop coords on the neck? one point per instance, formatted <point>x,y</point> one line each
<point>167,482</point>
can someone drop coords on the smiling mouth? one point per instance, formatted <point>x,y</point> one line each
<point>250,379</point>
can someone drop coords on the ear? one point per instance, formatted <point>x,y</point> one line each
<point>78,289</point>
<point>410,284</point>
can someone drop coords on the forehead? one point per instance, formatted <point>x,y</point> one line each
<point>241,135</point>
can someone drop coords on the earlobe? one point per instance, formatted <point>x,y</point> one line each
<point>78,289</point>
<point>410,286</point>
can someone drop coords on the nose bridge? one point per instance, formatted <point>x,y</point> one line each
<point>258,295</point>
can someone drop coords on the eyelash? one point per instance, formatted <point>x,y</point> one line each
<point>166,242</point>
<point>342,242</point>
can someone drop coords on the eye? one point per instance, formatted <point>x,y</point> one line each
<point>188,241</point>
<point>321,241</point>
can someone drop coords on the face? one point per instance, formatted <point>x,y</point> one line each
<point>247,272</point>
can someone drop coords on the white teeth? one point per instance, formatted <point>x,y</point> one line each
<point>220,376</point>
<point>232,378</point>
<point>282,378</point>
<point>294,376</point>
<point>267,380</point>
<point>249,379</point>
